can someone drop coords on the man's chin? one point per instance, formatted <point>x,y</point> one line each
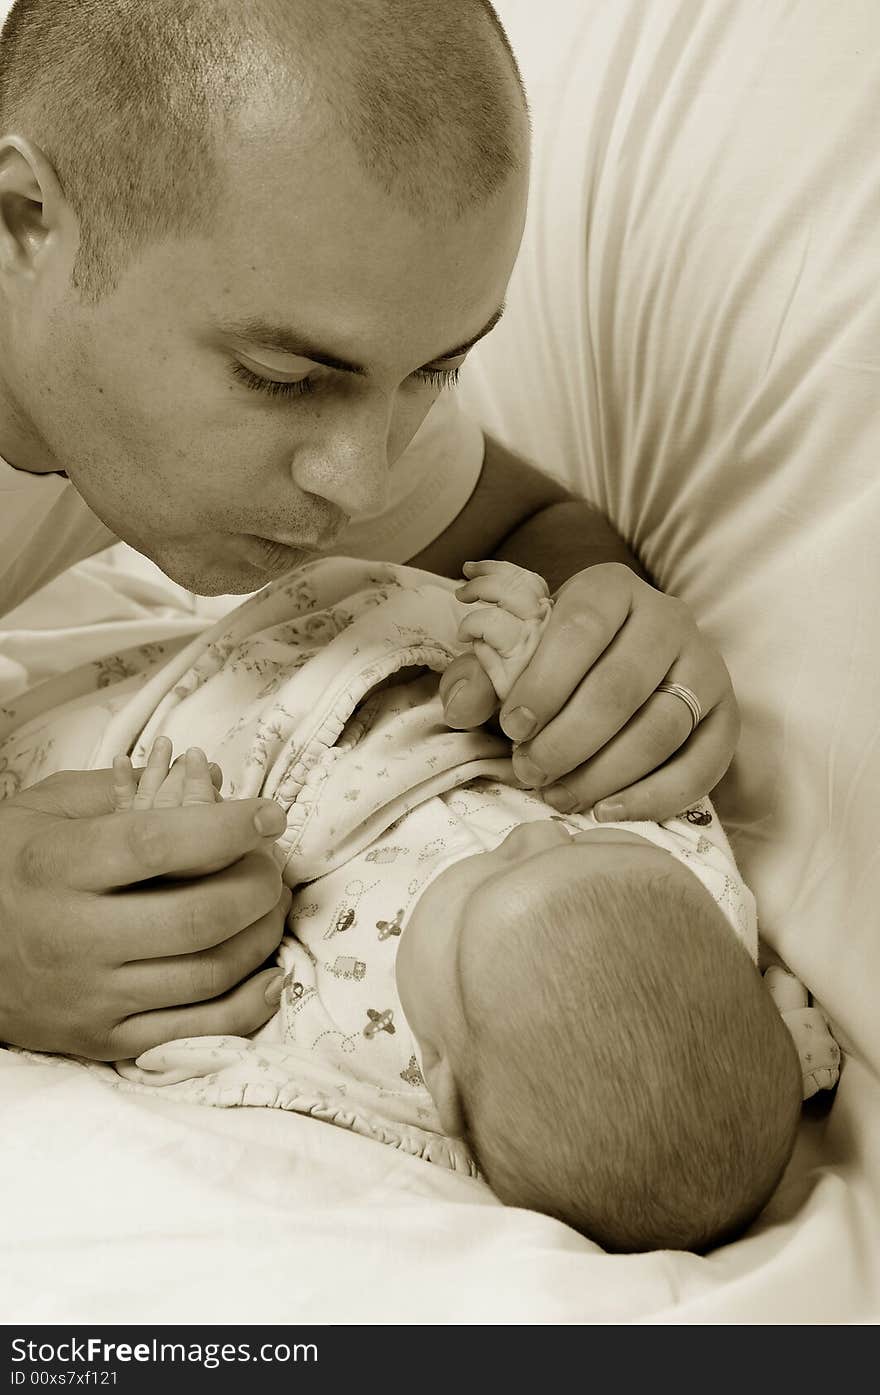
<point>235,573</point>
<point>225,588</point>
<point>227,578</point>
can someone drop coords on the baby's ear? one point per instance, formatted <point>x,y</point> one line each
<point>444,1091</point>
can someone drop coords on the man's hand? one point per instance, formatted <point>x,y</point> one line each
<point>590,728</point>
<point>100,954</point>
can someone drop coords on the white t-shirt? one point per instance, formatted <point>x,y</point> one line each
<point>45,526</point>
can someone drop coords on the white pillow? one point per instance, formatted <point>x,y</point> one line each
<point>693,342</point>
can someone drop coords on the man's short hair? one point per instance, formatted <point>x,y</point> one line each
<point>128,101</point>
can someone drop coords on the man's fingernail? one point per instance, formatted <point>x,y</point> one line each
<point>270,820</point>
<point>528,773</point>
<point>609,813</point>
<point>519,724</point>
<point>449,702</point>
<point>274,991</point>
<point>560,799</point>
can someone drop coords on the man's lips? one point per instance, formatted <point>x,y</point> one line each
<point>315,538</point>
<point>292,544</point>
<point>267,553</point>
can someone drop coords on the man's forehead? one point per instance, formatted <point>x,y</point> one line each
<point>294,251</point>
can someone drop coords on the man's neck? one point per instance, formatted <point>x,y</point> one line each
<point>20,445</point>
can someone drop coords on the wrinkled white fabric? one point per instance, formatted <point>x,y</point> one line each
<point>692,339</point>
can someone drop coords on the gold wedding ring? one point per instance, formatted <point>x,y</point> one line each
<point>690,700</point>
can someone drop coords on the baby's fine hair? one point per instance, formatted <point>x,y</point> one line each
<point>627,1070</point>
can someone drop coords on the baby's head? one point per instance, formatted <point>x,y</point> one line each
<point>591,1025</point>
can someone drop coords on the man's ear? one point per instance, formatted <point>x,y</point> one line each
<point>32,206</point>
<point>444,1091</point>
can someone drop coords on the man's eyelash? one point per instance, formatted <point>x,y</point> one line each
<point>267,385</point>
<point>435,377</point>
<point>439,377</point>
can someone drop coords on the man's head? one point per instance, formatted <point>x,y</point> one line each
<point>589,1022</point>
<point>240,247</point>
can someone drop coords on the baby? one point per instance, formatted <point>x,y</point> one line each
<point>582,1013</point>
<point>579,1004</point>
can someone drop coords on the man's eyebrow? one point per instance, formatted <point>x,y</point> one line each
<point>469,343</point>
<point>283,340</point>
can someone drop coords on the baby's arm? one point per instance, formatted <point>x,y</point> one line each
<point>505,632</point>
<point>819,1052</point>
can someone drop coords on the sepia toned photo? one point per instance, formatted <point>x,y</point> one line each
<point>439,670</point>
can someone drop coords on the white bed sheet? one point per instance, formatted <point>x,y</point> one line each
<point>123,1208</point>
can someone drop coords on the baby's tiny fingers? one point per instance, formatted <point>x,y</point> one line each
<point>487,566</point>
<point>154,773</point>
<point>124,783</point>
<point>493,626</point>
<point>518,591</point>
<point>198,786</point>
<point>170,795</point>
<point>482,588</point>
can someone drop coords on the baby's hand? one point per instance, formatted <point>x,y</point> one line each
<point>506,632</point>
<point>819,1052</point>
<point>190,780</point>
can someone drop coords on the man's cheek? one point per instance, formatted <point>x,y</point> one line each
<point>405,425</point>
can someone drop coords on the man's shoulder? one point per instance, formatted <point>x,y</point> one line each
<point>45,527</point>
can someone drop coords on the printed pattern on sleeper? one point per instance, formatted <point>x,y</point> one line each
<point>315,693</point>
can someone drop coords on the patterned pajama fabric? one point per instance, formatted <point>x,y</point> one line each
<point>321,693</point>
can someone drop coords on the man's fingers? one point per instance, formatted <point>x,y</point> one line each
<point>690,775</point>
<point>167,918</point>
<point>73,794</point>
<point>194,978</point>
<point>659,729</point>
<point>580,629</point>
<point>616,687</point>
<point>467,693</point>
<point>237,1013</point>
<point>94,854</point>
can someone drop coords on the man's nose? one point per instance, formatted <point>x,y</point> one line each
<point>346,460</point>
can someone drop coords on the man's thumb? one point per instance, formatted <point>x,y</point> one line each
<point>71,794</point>
<point>467,693</point>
